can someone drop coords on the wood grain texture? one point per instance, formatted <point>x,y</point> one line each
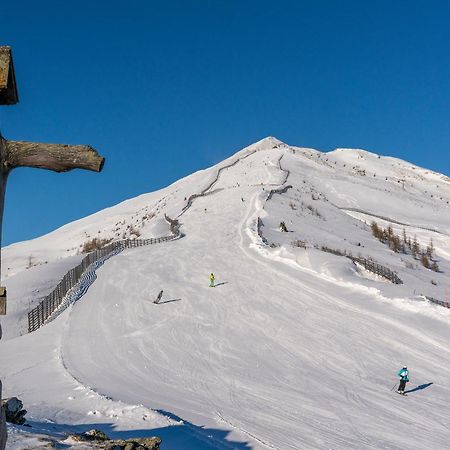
<point>56,157</point>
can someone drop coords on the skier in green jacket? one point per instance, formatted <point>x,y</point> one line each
<point>211,280</point>
<point>404,378</point>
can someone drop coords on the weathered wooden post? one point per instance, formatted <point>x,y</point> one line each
<point>56,157</point>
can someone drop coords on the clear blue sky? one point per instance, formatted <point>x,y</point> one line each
<point>164,88</point>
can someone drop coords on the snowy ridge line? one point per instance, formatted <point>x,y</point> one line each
<point>388,219</point>
<point>210,186</point>
<point>76,281</point>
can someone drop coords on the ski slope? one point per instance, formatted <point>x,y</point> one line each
<point>293,349</point>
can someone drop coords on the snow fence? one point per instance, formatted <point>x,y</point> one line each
<point>77,280</point>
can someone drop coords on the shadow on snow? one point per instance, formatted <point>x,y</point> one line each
<point>168,301</point>
<point>419,388</point>
<point>186,435</point>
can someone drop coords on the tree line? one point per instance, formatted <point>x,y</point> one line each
<point>404,244</point>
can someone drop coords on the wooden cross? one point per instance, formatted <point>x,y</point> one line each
<point>56,157</point>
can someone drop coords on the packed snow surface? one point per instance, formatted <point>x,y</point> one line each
<point>294,348</point>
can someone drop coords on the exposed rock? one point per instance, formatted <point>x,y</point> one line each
<point>13,410</point>
<point>95,435</point>
<point>100,440</point>
<point>134,444</point>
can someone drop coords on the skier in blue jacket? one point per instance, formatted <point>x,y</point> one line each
<point>404,378</point>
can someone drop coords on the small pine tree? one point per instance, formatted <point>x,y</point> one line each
<point>389,231</point>
<point>375,229</point>
<point>395,243</point>
<point>405,238</point>
<point>415,249</point>
<point>430,249</point>
<point>425,261</point>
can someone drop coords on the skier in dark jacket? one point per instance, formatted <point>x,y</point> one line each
<point>404,378</point>
<point>158,298</point>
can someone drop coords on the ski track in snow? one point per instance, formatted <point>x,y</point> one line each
<point>90,276</point>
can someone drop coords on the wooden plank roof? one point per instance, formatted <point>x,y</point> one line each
<point>8,88</point>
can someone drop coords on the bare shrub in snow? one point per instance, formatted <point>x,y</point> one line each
<point>134,231</point>
<point>30,262</point>
<point>313,211</point>
<point>94,244</point>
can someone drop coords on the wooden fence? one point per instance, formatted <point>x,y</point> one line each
<point>368,264</point>
<point>281,190</point>
<point>207,191</point>
<point>437,302</point>
<point>377,268</point>
<point>38,315</point>
<point>259,225</point>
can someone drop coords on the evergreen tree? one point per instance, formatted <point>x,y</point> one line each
<point>415,249</point>
<point>430,249</point>
<point>425,261</point>
<point>395,243</point>
<point>405,238</point>
<point>375,229</point>
<point>389,231</point>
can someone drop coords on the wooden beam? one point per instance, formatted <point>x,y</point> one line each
<point>56,157</point>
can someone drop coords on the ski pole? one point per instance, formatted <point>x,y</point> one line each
<point>393,386</point>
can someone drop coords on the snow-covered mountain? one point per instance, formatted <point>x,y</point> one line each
<point>295,348</point>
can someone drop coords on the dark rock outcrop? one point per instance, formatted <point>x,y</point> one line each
<point>100,440</point>
<point>13,410</point>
